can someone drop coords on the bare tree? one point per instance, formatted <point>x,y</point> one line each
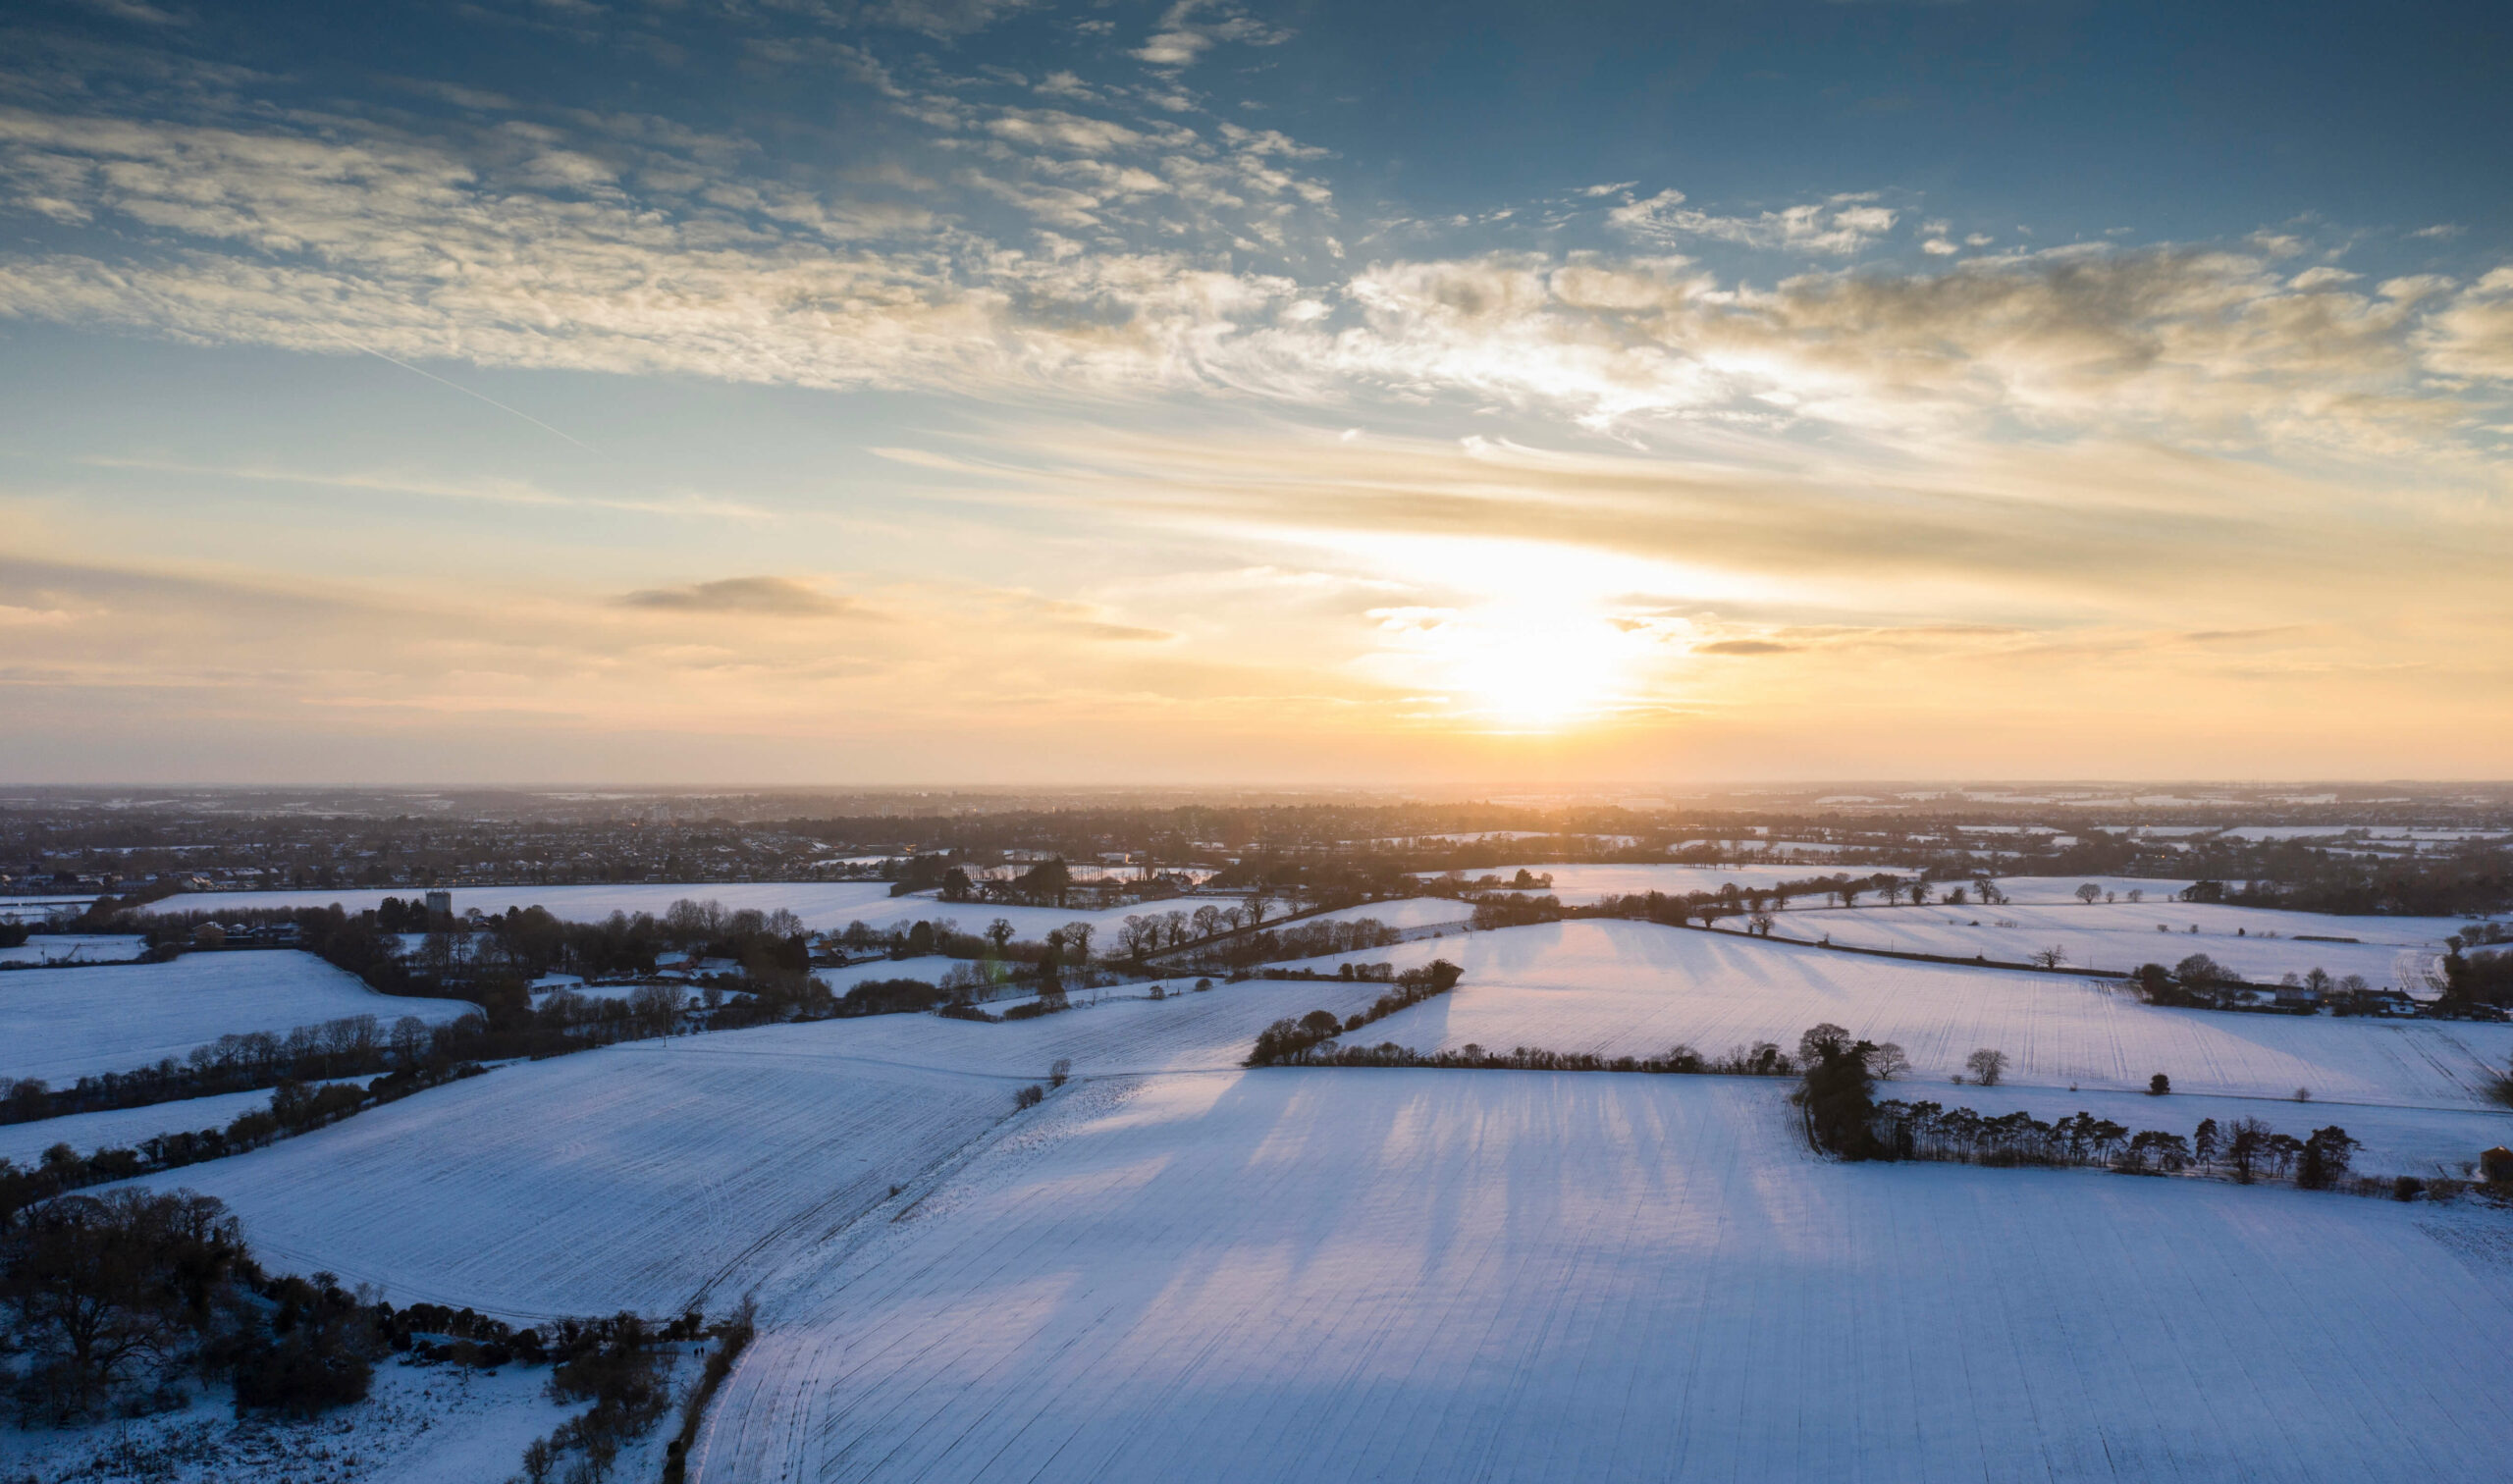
<point>1888,1060</point>
<point>1986,1066</point>
<point>2049,958</point>
<point>2089,893</point>
<point>411,1040</point>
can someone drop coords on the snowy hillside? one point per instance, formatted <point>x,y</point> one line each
<point>636,1175</point>
<point>62,1024</point>
<point>1337,1275</point>
<point>626,1178</point>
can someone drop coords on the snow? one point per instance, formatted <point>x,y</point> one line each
<point>633,1176</point>
<point>1405,914</point>
<point>64,1023</point>
<point>1027,923</point>
<point>2118,937</point>
<point>1187,1031</point>
<point>2029,890</point>
<point>84,947</point>
<point>1359,1275</point>
<point>125,1128</point>
<point>638,1174</point>
<point>38,909</point>
<point>419,1425</point>
<point>929,966</point>
<point>1619,988</point>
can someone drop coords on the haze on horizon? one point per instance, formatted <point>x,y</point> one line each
<point>1152,393</point>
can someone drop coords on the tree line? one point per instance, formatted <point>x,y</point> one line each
<point>294,1108</point>
<point>1290,1042</point>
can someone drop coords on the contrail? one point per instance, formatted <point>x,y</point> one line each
<point>465,390</point>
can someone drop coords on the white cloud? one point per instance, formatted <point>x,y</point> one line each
<point>1191,27</point>
<point>1832,230</point>
<point>630,248</point>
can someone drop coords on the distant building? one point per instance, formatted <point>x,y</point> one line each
<point>439,908</point>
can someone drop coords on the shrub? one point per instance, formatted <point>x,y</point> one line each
<point>319,1353</point>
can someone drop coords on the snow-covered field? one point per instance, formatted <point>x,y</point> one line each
<point>1409,1276</point>
<point>1619,988</point>
<point>632,1176</point>
<point>64,1023</point>
<point>80,948</point>
<point>125,1128</point>
<point>1186,1031</point>
<point>1408,913</point>
<point>2118,937</point>
<point>636,1175</point>
<point>929,966</point>
<point>36,909</point>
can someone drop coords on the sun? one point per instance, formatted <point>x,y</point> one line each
<point>1534,667</point>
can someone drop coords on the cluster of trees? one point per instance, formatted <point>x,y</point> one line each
<point>2477,978</point>
<point>522,943</point>
<point>2200,981</point>
<point>1844,1119</point>
<point>114,1301</point>
<point>1313,1035</point>
<point>1344,973</point>
<point>1456,883</point>
<point>2248,1148</point>
<point>1515,910</point>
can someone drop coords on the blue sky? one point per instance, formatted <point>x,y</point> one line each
<point>953,389</point>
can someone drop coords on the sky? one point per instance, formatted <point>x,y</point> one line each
<point>809,392</point>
